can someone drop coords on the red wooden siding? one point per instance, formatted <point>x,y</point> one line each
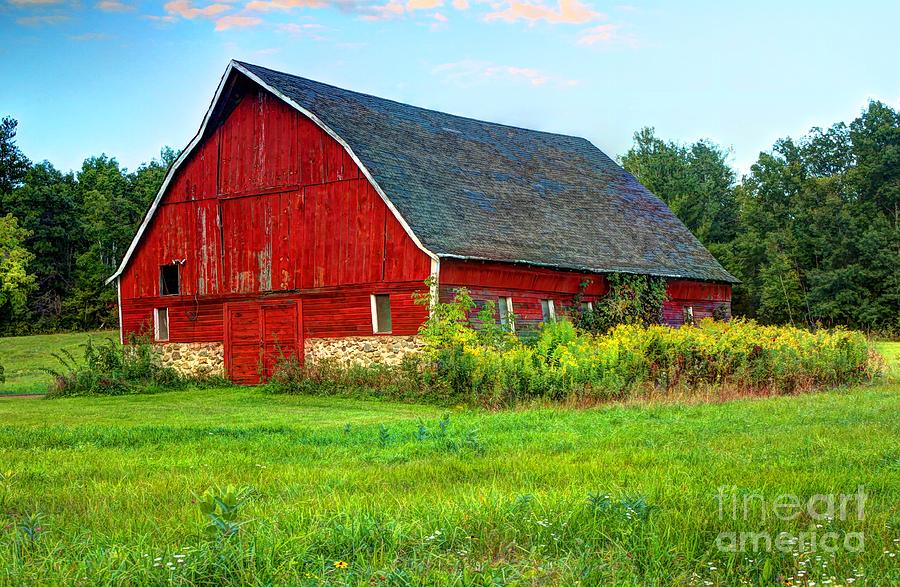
<point>528,286</point>
<point>704,298</point>
<point>333,312</point>
<point>258,334</point>
<point>270,203</point>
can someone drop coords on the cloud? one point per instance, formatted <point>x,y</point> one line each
<point>39,20</point>
<point>237,21</point>
<point>461,4</point>
<point>569,12</point>
<point>467,72</point>
<point>35,2</point>
<point>309,30</point>
<point>299,29</point>
<point>113,6</point>
<point>393,9</point>
<point>185,9</point>
<point>439,17</point>
<point>90,37</point>
<point>423,4</point>
<point>269,5</point>
<point>603,33</point>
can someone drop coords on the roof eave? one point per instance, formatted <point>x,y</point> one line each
<point>668,275</point>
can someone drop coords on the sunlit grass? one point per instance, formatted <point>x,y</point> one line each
<point>497,497</point>
<point>25,357</point>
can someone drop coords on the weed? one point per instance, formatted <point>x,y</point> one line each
<point>220,507</point>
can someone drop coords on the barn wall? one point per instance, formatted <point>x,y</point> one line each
<point>703,298</point>
<point>528,286</point>
<point>268,203</point>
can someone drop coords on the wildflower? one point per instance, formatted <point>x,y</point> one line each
<point>340,565</point>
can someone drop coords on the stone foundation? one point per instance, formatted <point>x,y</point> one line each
<point>195,359</point>
<point>363,350</point>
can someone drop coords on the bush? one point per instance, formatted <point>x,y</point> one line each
<point>472,359</point>
<point>113,369</point>
<point>566,363</point>
<point>2,375</point>
<point>632,299</point>
<point>409,381</point>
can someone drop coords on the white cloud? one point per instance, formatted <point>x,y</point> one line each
<point>469,72</point>
<point>568,12</point>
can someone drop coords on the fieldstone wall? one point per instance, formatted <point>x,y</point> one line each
<point>195,359</point>
<point>363,350</point>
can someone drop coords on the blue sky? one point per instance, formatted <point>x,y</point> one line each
<point>125,77</point>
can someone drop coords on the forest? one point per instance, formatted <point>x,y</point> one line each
<point>812,231</point>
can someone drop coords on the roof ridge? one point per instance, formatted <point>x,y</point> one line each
<point>422,108</point>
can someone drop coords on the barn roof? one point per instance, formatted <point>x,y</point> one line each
<point>470,189</point>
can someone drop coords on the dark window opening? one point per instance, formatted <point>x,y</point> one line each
<point>381,313</point>
<point>169,283</point>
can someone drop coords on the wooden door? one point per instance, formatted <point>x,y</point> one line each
<point>258,335</point>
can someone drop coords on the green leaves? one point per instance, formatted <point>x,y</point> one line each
<point>220,507</point>
<point>15,279</point>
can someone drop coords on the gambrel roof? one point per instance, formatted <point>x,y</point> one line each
<point>470,189</point>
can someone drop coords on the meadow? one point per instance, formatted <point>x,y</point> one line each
<point>26,358</point>
<point>110,490</point>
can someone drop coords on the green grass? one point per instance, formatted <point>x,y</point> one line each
<point>512,497</point>
<point>24,357</point>
<point>891,353</point>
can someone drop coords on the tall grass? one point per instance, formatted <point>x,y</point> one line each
<point>125,491</point>
<point>109,368</point>
<point>473,359</point>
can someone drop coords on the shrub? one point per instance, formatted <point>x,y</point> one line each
<point>408,381</point>
<point>113,369</point>
<point>470,358</point>
<point>2,375</point>
<point>566,363</point>
<point>632,299</point>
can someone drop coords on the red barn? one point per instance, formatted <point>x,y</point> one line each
<point>302,217</point>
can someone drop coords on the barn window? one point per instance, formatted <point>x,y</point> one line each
<point>587,307</point>
<point>548,312</point>
<point>688,315</point>
<point>169,282</point>
<point>381,313</point>
<point>505,309</point>
<point>161,324</point>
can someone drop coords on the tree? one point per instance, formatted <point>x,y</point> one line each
<point>15,280</point>
<point>45,205</point>
<point>819,240</point>
<point>13,164</point>
<point>695,181</point>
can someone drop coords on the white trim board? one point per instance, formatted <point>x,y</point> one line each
<point>235,66</point>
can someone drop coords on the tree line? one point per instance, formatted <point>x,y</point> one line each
<point>812,232</point>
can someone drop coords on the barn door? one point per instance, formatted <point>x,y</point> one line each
<point>258,335</point>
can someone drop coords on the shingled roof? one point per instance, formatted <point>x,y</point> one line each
<point>479,190</point>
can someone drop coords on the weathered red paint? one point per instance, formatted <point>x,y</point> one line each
<point>527,286</point>
<point>281,238</point>
<point>269,207</point>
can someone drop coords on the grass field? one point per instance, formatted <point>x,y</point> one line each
<point>484,498</point>
<point>23,357</point>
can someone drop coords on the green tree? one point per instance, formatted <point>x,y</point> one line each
<point>13,163</point>
<point>15,280</point>
<point>695,181</point>
<point>819,240</point>
<point>45,205</point>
